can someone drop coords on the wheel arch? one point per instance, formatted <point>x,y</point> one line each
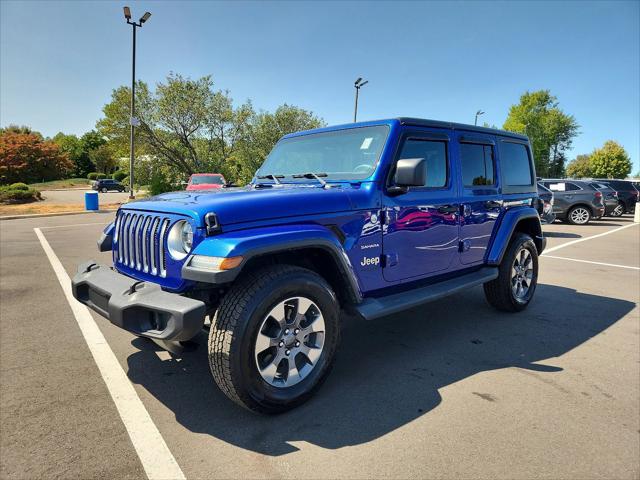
<point>314,247</point>
<point>582,204</point>
<point>522,220</point>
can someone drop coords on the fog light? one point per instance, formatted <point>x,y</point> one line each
<point>214,264</point>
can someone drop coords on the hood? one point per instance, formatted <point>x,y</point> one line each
<point>249,204</point>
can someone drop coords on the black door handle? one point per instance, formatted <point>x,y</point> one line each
<point>448,209</point>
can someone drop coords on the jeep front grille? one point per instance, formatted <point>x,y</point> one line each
<point>140,242</point>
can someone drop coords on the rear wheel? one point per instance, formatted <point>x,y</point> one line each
<point>579,215</point>
<point>618,211</point>
<point>517,276</point>
<point>274,338</point>
<point>104,190</point>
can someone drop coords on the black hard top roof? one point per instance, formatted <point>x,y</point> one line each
<point>421,122</point>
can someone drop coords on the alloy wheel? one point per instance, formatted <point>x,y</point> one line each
<point>289,342</point>
<point>522,274</point>
<point>580,215</point>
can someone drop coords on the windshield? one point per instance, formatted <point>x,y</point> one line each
<point>207,179</point>
<point>342,155</point>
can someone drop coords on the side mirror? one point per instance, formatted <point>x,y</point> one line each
<point>410,172</point>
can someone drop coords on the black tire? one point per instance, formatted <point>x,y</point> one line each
<point>232,337</point>
<point>104,190</point>
<point>499,292</point>
<point>579,208</point>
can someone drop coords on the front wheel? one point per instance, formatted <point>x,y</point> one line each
<point>274,339</point>
<point>104,190</point>
<point>517,276</point>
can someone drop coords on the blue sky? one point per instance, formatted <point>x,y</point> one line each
<point>60,60</point>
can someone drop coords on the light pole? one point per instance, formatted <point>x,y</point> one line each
<point>359,84</point>
<point>478,113</point>
<point>133,121</point>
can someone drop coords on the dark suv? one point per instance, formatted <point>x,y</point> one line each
<point>107,184</point>
<point>628,194</point>
<point>612,206</point>
<point>575,201</point>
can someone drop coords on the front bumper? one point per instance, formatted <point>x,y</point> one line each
<point>139,307</point>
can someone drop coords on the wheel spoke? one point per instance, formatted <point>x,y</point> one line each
<point>279,313</point>
<point>304,304</point>
<point>293,373</point>
<point>269,372</point>
<point>263,342</point>
<point>312,353</point>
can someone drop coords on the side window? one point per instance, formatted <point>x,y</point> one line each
<point>435,154</point>
<point>572,187</point>
<point>557,187</point>
<point>515,164</point>
<point>477,164</point>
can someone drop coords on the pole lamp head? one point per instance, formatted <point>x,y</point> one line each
<point>363,83</point>
<point>145,17</point>
<point>479,112</point>
<point>358,81</point>
<point>127,13</point>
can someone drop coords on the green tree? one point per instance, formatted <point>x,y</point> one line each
<point>580,167</point>
<point>266,129</point>
<point>73,147</point>
<point>189,127</point>
<point>611,161</point>
<point>550,130</point>
<point>103,158</point>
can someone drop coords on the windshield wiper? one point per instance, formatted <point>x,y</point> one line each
<point>273,177</point>
<point>313,175</point>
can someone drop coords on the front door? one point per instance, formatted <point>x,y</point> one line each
<point>481,200</point>
<point>420,230</point>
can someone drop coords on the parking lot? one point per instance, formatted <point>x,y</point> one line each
<point>450,390</point>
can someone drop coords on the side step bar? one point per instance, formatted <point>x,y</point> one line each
<point>372,308</point>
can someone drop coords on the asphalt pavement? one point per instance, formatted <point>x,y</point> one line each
<point>449,390</point>
<point>74,196</point>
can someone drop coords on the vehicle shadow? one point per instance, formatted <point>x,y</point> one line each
<point>561,235</point>
<point>387,372</point>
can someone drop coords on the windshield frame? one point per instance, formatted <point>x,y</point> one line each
<point>331,177</point>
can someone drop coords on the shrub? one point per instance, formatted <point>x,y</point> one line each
<point>19,186</point>
<point>93,176</point>
<point>101,176</point>
<point>27,157</point>
<point>12,195</point>
<point>120,175</point>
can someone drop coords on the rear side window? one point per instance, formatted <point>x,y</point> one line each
<point>515,164</point>
<point>572,187</point>
<point>477,164</point>
<point>435,154</point>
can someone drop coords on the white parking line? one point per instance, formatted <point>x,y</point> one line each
<point>573,242</point>
<point>155,456</point>
<point>594,263</point>
<point>74,225</point>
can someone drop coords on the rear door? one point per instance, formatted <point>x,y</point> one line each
<point>481,200</point>
<point>420,231</point>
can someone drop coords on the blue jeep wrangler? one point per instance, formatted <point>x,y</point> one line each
<point>369,218</point>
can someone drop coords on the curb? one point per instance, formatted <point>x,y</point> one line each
<point>66,189</point>
<point>56,214</point>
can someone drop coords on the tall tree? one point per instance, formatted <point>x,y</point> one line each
<point>266,129</point>
<point>103,158</point>
<point>190,127</point>
<point>611,161</point>
<point>580,167</point>
<point>27,157</point>
<point>74,148</point>
<point>550,130</point>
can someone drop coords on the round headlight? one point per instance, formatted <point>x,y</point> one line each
<point>180,239</point>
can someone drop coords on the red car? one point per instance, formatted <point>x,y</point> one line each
<point>205,181</point>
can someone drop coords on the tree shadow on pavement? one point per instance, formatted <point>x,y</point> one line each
<point>387,372</point>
